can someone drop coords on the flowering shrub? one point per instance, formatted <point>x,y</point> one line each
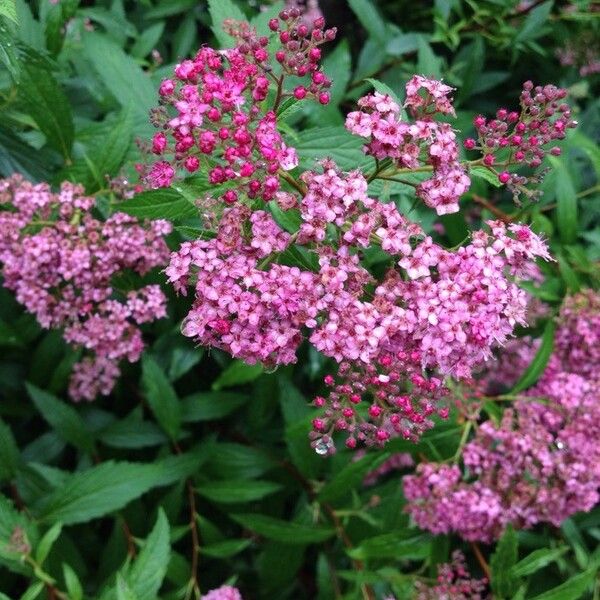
<point>332,286</point>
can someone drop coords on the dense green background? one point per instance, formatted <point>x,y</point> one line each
<point>106,492</point>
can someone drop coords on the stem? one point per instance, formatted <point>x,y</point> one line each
<point>463,440</point>
<point>493,209</point>
<point>194,584</point>
<point>279,92</point>
<point>404,181</point>
<point>481,560</point>
<point>297,185</point>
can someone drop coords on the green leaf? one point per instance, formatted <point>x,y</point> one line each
<point>535,369</point>
<point>18,156</point>
<point>43,99</point>
<point>64,419</point>
<point>132,432</point>
<point>124,592</point>
<point>33,591</point>
<point>484,173</point>
<point>150,567</point>
<point>98,491</point>
<point>9,453</point>
<point>12,521</point>
<point>369,18</point>
<point>220,10</point>
<point>148,40</point>
<point>74,588</point>
<point>402,44</point>
<point>9,10</point>
<point>237,373</point>
<point>164,203</point>
<point>391,545</point>
<point>428,63</point>
<point>568,274</point>
<point>289,219</point>
<point>537,560</point>
<point>237,491</point>
<point>334,142</point>
<point>225,549</point>
<point>106,153</point>
<point>338,66</point>
<point>235,461</point>
<point>46,543</point>
<point>383,88</point>
<point>284,531</point>
<point>533,25</point>
<point>209,406</point>
<point>122,77</point>
<point>566,202</point>
<point>161,397</point>
<point>350,477</point>
<point>504,583</point>
<point>572,589</point>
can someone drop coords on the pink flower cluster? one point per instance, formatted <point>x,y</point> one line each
<point>213,109</point>
<point>61,262</point>
<point>445,314</point>
<point>225,592</point>
<point>541,463</point>
<point>412,145</point>
<point>454,583</point>
<point>261,291</point>
<point>514,138</point>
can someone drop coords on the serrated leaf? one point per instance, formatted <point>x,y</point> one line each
<point>350,477</point>
<point>12,521</point>
<point>131,432</point>
<point>33,591</point>
<point>46,103</point>
<point>284,531</point>
<point>98,491</point>
<point>8,9</point>
<point>220,10</point>
<point>537,560</point>
<point>237,491</point>
<point>209,406</point>
<point>122,77</point>
<point>164,203</point>
<point>535,369</point>
<point>161,397</point>
<point>64,419</point>
<point>572,589</point>
<point>398,544</point>
<point>9,453</point>
<point>334,142</point>
<point>504,582</point>
<point>107,154</point>
<point>150,567</point>
<point>235,461</point>
<point>484,173</point>
<point>237,373</point>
